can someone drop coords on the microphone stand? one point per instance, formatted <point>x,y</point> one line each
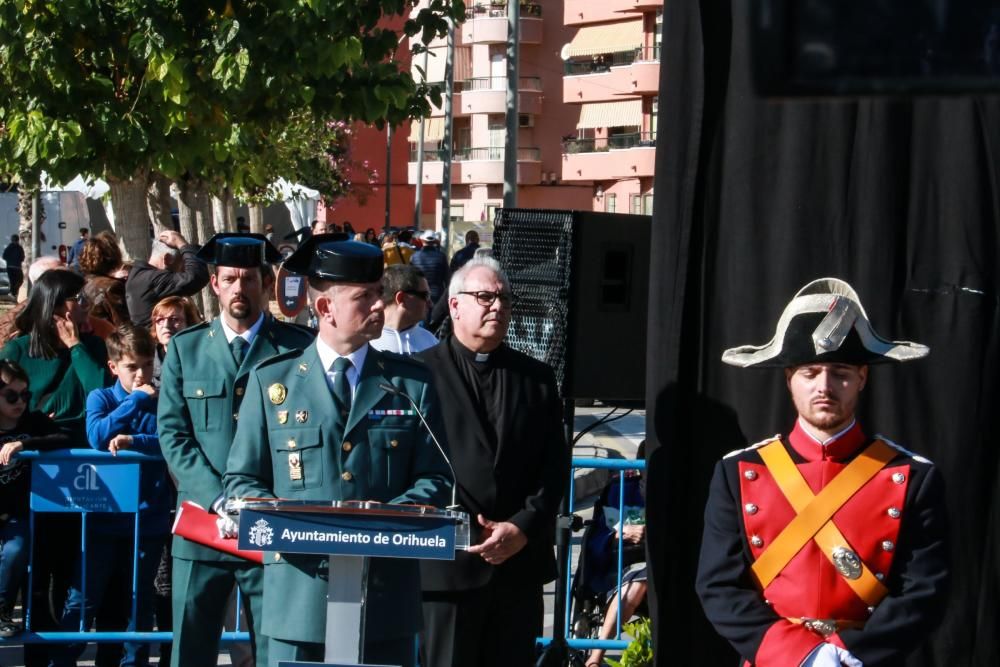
<point>454,479</point>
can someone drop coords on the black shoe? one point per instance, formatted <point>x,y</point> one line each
<point>8,628</point>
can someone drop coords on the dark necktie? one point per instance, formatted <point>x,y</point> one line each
<point>239,347</point>
<point>341,387</point>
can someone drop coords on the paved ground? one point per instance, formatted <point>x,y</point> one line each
<point>616,439</point>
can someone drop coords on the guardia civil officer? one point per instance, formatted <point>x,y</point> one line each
<point>824,547</point>
<point>204,378</point>
<point>314,426</point>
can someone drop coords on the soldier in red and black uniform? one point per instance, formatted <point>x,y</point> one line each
<point>825,548</point>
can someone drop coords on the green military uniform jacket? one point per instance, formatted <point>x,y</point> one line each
<point>289,410</point>
<point>199,406</point>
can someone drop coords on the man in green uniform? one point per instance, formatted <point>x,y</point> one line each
<point>204,378</point>
<point>317,425</point>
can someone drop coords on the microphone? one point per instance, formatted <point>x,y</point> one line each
<point>399,392</point>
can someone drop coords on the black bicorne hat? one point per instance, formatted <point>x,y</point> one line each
<point>244,251</point>
<point>333,257</point>
<point>824,323</point>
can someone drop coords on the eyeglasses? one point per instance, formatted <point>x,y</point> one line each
<point>486,299</point>
<point>420,294</point>
<point>81,300</point>
<point>172,321</point>
<point>12,396</point>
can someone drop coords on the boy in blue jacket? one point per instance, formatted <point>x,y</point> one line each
<point>121,417</point>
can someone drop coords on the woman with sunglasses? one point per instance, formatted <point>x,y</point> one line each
<point>64,364</point>
<point>170,315</point>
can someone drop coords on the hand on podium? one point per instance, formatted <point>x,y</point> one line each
<point>501,540</point>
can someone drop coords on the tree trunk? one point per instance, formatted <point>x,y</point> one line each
<point>25,198</point>
<point>257,218</point>
<point>128,200</point>
<point>206,229</point>
<point>158,203</point>
<point>185,192</point>
<point>224,211</point>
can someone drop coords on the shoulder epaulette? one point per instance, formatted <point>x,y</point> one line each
<point>281,356</point>
<point>902,450</point>
<point>756,445</point>
<point>192,329</point>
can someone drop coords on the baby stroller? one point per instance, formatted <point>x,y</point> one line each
<point>596,580</point>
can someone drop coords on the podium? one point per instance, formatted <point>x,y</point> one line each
<point>349,533</point>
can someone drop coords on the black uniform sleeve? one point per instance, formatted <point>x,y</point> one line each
<point>917,583</point>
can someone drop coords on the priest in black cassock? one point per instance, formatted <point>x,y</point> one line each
<point>502,416</point>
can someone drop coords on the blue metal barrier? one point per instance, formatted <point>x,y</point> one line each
<point>618,643</point>
<point>86,481</point>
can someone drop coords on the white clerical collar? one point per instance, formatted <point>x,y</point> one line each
<point>247,335</point>
<point>482,357</point>
<point>327,355</point>
<point>832,438</point>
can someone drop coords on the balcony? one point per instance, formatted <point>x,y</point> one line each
<point>609,76</point>
<point>478,165</point>
<point>487,24</point>
<point>580,12</point>
<point>489,95</point>
<point>630,155</point>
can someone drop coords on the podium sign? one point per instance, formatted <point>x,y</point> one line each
<point>73,486</point>
<point>348,534</point>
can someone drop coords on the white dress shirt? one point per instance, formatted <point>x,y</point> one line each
<point>327,355</point>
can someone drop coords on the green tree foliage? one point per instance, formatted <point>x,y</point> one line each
<point>197,88</point>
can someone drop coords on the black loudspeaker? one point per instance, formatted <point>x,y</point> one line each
<point>581,286</point>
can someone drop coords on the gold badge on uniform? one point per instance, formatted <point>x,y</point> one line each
<point>294,466</point>
<point>302,416</point>
<point>282,416</point>
<point>277,393</point>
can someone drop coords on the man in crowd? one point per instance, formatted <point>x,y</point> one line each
<point>330,398</point>
<point>73,255</point>
<point>13,257</point>
<point>173,269</point>
<point>459,259</point>
<point>434,265</point>
<point>825,548</point>
<point>406,297</point>
<point>503,419</point>
<point>204,377</point>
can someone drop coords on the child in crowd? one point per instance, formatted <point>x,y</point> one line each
<point>20,429</point>
<point>123,417</point>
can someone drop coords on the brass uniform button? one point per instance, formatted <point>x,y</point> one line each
<point>887,545</point>
<point>898,478</point>
<point>750,475</point>
<point>291,444</point>
<point>346,446</point>
<point>757,541</point>
<point>394,443</point>
<point>347,476</point>
<point>277,557</point>
<point>239,391</point>
<point>751,508</point>
<point>894,512</point>
<point>199,392</point>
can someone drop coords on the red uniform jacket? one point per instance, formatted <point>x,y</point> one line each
<point>894,523</point>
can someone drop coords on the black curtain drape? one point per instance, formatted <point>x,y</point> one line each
<point>753,198</point>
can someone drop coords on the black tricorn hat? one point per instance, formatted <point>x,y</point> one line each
<point>244,251</point>
<point>333,257</point>
<point>824,323</point>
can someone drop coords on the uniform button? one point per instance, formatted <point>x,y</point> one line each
<point>347,476</point>
<point>894,512</point>
<point>394,443</point>
<point>239,391</point>
<point>750,475</point>
<point>291,444</point>
<point>757,541</point>
<point>898,477</point>
<point>879,576</point>
<point>199,392</point>
<point>750,508</point>
<point>346,446</point>
<point>277,557</point>
<point>887,545</point>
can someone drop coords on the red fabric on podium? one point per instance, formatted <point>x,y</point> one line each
<point>194,523</point>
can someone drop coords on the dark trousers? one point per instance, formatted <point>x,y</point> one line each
<point>492,626</point>
<point>201,591</point>
<point>16,279</point>
<point>395,652</point>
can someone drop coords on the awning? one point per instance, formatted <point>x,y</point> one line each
<point>611,114</point>
<point>433,130</point>
<point>608,38</point>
